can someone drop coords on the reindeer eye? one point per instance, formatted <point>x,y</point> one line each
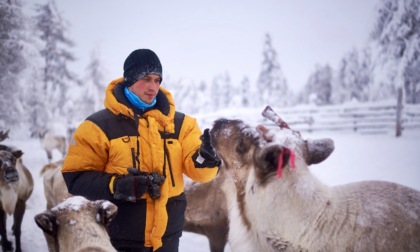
<point>243,145</point>
<point>240,148</point>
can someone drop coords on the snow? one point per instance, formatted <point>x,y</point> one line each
<point>356,157</point>
<point>71,204</point>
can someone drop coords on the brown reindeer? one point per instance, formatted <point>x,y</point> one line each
<point>16,185</point>
<point>55,191</point>
<point>206,212</point>
<point>78,224</point>
<point>278,205</point>
<point>51,141</point>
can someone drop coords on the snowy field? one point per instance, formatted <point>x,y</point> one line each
<point>356,157</point>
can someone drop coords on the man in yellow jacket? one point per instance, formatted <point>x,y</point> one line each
<point>135,152</point>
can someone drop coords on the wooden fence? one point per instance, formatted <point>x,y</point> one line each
<point>369,118</point>
<point>364,118</point>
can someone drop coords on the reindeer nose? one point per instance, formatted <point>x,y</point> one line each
<point>10,175</point>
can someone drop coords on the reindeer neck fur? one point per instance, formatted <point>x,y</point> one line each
<point>21,189</point>
<point>241,235</point>
<point>9,197</point>
<point>288,204</point>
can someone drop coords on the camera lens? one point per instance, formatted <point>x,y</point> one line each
<point>154,191</point>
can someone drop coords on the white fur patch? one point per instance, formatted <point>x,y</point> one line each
<point>8,198</point>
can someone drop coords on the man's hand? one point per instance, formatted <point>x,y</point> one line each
<point>132,186</point>
<point>207,154</point>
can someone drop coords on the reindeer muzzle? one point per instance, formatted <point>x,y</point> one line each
<point>10,175</point>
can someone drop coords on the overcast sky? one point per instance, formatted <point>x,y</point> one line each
<point>198,40</point>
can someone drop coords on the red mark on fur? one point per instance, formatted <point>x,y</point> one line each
<point>291,160</point>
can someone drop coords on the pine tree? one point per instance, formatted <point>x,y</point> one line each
<point>412,76</point>
<point>353,78</point>
<point>216,92</point>
<point>397,34</point>
<point>95,76</point>
<point>56,75</point>
<point>12,62</point>
<point>204,101</point>
<point>226,92</point>
<point>318,88</point>
<point>272,86</point>
<point>245,92</point>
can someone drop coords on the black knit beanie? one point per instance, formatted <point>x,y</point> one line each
<point>139,63</point>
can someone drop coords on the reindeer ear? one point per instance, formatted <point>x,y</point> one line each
<point>47,222</point>
<point>319,150</point>
<point>269,159</point>
<point>17,153</point>
<point>106,211</point>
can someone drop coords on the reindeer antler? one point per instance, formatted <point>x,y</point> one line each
<point>4,135</point>
<point>271,115</point>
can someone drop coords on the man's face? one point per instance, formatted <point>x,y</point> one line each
<point>146,88</point>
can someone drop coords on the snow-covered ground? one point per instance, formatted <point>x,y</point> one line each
<point>356,157</point>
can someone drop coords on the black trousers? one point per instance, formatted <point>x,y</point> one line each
<point>169,245</point>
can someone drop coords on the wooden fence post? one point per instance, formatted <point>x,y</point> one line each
<point>398,127</point>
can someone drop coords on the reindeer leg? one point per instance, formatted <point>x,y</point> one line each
<point>218,241</point>
<point>6,245</point>
<point>49,155</point>
<point>17,222</point>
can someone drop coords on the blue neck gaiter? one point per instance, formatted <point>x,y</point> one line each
<point>135,100</point>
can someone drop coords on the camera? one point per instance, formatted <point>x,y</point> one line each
<point>154,187</point>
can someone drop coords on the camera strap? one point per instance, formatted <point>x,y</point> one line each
<point>178,120</point>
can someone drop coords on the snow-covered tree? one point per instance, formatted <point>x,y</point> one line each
<point>353,78</point>
<point>318,88</point>
<point>271,85</point>
<point>397,37</point>
<point>216,92</point>
<point>57,78</point>
<point>245,93</point>
<point>95,79</point>
<point>204,101</point>
<point>226,92</point>
<point>185,94</point>
<point>12,62</point>
<point>412,76</point>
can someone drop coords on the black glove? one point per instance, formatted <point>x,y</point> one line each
<point>132,186</point>
<point>207,155</point>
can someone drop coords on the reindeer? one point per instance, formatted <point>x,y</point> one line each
<point>206,212</point>
<point>16,185</point>
<point>78,224</point>
<point>55,191</point>
<point>276,204</point>
<point>51,141</point>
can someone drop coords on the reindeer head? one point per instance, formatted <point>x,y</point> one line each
<point>234,142</point>
<point>77,213</point>
<point>267,151</point>
<point>286,148</point>
<point>8,170</point>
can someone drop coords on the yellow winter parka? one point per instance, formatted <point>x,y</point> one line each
<point>118,137</point>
